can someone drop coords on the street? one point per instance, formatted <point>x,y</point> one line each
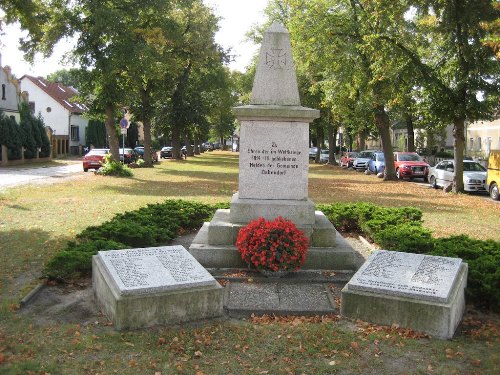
<point>10,177</point>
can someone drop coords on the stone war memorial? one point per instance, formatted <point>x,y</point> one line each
<point>273,169</point>
<point>159,285</point>
<point>421,292</point>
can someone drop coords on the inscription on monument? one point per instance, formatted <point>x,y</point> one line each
<point>273,160</point>
<point>148,270</point>
<point>405,274</point>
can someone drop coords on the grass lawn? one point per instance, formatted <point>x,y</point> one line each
<point>37,221</point>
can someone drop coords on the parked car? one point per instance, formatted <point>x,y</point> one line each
<point>312,153</point>
<point>324,156</point>
<point>493,179</point>
<point>377,163</point>
<point>347,159</point>
<point>166,152</point>
<point>127,155</point>
<point>94,158</point>
<point>360,163</point>
<point>474,175</point>
<point>207,146</point>
<point>140,153</point>
<point>410,165</point>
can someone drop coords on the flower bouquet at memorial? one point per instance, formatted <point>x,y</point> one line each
<point>272,247</point>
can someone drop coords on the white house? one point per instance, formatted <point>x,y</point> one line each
<point>53,101</point>
<point>483,136</point>
<point>10,95</point>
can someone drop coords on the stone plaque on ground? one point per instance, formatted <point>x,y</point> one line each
<point>154,269</point>
<point>157,285</point>
<point>416,291</point>
<point>406,274</point>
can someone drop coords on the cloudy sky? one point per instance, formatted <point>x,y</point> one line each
<point>237,18</point>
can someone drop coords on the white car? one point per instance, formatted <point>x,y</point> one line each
<point>474,175</point>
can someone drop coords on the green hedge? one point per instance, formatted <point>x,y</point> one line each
<point>400,229</point>
<point>155,224</point>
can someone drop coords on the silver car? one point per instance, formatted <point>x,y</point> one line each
<point>474,175</point>
<point>361,162</point>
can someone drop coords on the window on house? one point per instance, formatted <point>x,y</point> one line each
<point>471,144</point>
<point>75,133</point>
<point>479,144</point>
<point>32,107</point>
<point>3,91</point>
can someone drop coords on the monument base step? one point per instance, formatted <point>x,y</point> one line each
<point>223,231</point>
<point>340,256</point>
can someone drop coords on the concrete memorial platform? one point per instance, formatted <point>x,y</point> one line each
<point>158,285</point>
<point>421,292</point>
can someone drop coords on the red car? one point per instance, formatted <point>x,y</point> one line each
<point>410,165</point>
<point>347,159</point>
<point>93,159</point>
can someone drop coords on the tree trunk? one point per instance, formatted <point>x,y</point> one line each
<point>383,125</point>
<point>114,143</point>
<point>332,141</point>
<point>148,160</point>
<point>146,123</point>
<point>458,157</point>
<point>176,137</point>
<point>361,141</point>
<point>189,149</point>
<point>410,131</point>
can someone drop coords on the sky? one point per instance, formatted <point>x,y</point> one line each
<point>237,17</point>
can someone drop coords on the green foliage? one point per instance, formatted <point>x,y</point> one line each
<point>400,229</point>
<point>95,134</point>
<point>407,237</point>
<point>483,258</point>
<point>74,261</point>
<point>45,142</point>
<point>154,224</point>
<point>111,167</point>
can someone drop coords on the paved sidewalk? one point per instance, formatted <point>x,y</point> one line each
<point>10,177</point>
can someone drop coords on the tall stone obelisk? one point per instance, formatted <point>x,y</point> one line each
<point>274,164</point>
<point>274,139</point>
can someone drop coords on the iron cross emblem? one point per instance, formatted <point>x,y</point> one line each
<point>276,59</point>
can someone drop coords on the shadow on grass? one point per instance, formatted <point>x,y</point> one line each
<point>215,186</point>
<point>26,252</point>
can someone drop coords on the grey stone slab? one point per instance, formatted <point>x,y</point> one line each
<point>253,296</point>
<point>275,80</point>
<point>279,297</point>
<point>434,318</point>
<point>312,298</point>
<point>154,269</point>
<point>418,276</point>
<point>274,160</point>
<point>301,212</point>
<point>324,233</point>
<point>275,113</point>
<point>146,307</point>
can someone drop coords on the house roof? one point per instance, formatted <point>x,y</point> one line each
<point>60,93</point>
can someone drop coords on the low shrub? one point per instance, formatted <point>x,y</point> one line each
<point>408,237</point>
<point>75,260</point>
<point>111,167</point>
<point>152,225</point>
<point>483,258</point>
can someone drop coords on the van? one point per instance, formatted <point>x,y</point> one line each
<point>493,178</point>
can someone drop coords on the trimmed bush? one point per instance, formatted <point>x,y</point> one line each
<point>152,225</point>
<point>112,167</point>
<point>76,260</point>
<point>483,258</point>
<point>408,237</point>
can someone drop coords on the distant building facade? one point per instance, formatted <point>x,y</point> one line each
<point>53,102</point>
<point>10,94</point>
<point>483,136</point>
